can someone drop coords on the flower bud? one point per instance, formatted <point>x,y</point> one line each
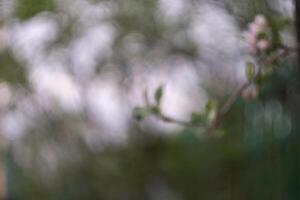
<point>263,44</point>
<point>261,21</point>
<point>250,93</point>
<point>255,29</point>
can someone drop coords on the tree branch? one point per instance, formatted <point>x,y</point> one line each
<point>282,53</point>
<point>172,120</point>
<point>237,92</point>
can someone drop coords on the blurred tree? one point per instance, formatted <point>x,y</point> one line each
<point>251,153</point>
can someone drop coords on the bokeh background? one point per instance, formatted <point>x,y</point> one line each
<point>72,72</point>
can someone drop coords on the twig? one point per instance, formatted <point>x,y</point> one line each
<point>236,93</point>
<point>162,116</point>
<point>172,120</point>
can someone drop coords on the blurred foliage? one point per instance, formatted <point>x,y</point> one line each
<point>10,70</point>
<point>28,8</point>
<point>138,16</point>
<point>229,168</point>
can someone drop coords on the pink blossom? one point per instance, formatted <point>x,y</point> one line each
<point>261,21</point>
<point>255,29</point>
<point>263,44</point>
<point>250,93</point>
<point>251,41</point>
<point>250,38</point>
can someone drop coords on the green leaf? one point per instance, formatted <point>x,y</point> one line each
<point>155,110</point>
<point>197,119</point>
<point>140,113</point>
<point>211,116</point>
<point>210,105</point>
<point>250,70</point>
<point>281,23</point>
<point>158,94</point>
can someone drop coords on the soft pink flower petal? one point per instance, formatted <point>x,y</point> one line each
<point>261,21</point>
<point>263,44</point>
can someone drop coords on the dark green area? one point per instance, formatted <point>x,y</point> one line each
<point>29,8</point>
<point>10,69</point>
